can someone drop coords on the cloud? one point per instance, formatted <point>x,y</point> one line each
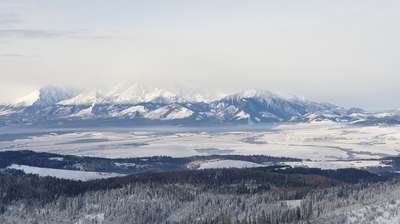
<point>9,19</point>
<point>38,33</point>
<point>12,55</point>
<point>326,52</point>
<point>31,33</point>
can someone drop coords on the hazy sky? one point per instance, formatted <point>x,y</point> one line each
<point>345,52</point>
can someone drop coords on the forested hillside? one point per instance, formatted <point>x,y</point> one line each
<point>257,195</point>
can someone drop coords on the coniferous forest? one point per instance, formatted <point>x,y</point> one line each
<point>257,195</point>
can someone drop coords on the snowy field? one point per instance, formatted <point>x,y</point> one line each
<point>215,164</point>
<point>63,174</point>
<point>338,164</point>
<point>318,142</point>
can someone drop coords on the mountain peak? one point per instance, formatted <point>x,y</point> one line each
<point>263,95</point>
<point>45,96</point>
<point>28,100</point>
<point>134,93</point>
<point>256,93</point>
<point>124,94</point>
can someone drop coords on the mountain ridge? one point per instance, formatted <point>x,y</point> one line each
<point>143,105</point>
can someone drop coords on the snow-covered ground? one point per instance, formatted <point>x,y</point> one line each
<point>215,164</point>
<point>341,164</point>
<point>63,174</point>
<point>322,141</point>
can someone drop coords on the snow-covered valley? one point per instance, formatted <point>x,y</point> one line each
<point>323,144</point>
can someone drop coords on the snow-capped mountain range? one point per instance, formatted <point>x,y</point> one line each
<point>139,105</point>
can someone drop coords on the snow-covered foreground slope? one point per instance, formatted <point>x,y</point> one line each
<point>63,174</point>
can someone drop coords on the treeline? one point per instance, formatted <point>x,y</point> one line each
<point>135,165</point>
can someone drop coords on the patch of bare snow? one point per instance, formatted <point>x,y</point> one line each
<point>63,174</point>
<point>157,114</point>
<point>217,164</point>
<point>130,111</point>
<point>339,164</point>
<point>242,115</point>
<point>179,113</point>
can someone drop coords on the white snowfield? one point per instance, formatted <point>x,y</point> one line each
<point>319,142</point>
<point>63,174</point>
<point>215,164</point>
<point>333,165</point>
<point>168,113</point>
<point>130,112</point>
<point>242,115</point>
<point>179,113</point>
<point>85,113</point>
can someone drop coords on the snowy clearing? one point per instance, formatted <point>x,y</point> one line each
<point>63,174</point>
<point>217,164</point>
<point>332,165</point>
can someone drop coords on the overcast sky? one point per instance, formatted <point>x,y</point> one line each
<point>344,52</point>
